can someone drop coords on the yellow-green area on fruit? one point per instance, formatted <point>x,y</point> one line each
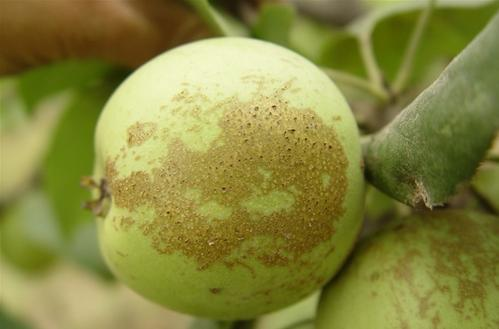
<point>428,271</point>
<point>234,172</point>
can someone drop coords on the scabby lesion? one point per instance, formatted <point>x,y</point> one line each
<point>265,164</point>
<point>140,132</point>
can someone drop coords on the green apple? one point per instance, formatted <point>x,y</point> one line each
<point>232,167</point>
<point>299,315</point>
<point>436,270</point>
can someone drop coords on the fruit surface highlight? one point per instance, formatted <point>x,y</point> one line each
<point>233,170</point>
<point>428,271</point>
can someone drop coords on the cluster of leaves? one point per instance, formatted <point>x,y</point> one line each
<point>381,61</point>
<point>49,115</point>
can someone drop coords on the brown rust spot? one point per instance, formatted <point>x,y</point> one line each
<point>122,223</point>
<point>126,223</point>
<point>232,263</point>
<point>140,132</point>
<point>459,254</point>
<point>215,291</point>
<point>402,270</point>
<point>265,146</point>
<point>122,254</point>
<point>435,321</point>
<point>453,255</point>
<point>374,276</point>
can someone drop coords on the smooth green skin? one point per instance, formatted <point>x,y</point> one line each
<point>392,279</point>
<point>216,66</point>
<point>28,234</point>
<point>297,315</point>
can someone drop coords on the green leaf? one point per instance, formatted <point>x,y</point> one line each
<point>384,33</point>
<point>452,26</point>
<point>322,44</point>
<point>24,140</point>
<point>210,324</point>
<point>274,23</point>
<point>438,141</point>
<point>305,324</point>
<point>379,210</point>
<point>30,237</point>
<point>486,184</point>
<point>310,38</point>
<point>493,154</point>
<point>12,108</point>
<point>36,84</point>
<point>83,248</point>
<point>342,52</point>
<point>44,93</point>
<point>378,204</point>
<point>367,23</point>
<point>71,156</point>
<point>218,21</point>
<point>8,322</point>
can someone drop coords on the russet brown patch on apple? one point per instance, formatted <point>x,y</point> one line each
<point>140,132</point>
<point>266,147</point>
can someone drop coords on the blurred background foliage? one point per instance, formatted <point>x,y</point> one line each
<point>51,270</point>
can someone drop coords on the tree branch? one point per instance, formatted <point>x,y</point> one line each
<point>407,65</point>
<point>352,80</point>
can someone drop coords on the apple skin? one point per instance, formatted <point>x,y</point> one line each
<point>234,172</point>
<point>299,315</point>
<point>436,270</point>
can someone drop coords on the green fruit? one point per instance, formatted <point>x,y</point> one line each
<point>299,315</point>
<point>234,173</point>
<point>437,270</point>
<point>29,235</point>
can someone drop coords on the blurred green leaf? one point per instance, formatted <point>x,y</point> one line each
<point>379,210</point>
<point>12,108</point>
<point>486,184</point>
<point>30,236</point>
<point>438,141</point>
<point>211,324</point>
<point>493,154</point>
<point>309,38</point>
<point>367,23</point>
<point>45,92</point>
<point>71,156</point>
<point>218,21</point>
<point>306,324</point>
<point>36,84</point>
<point>342,52</point>
<point>23,144</point>
<point>452,26</point>
<point>384,33</point>
<point>8,322</point>
<point>377,204</point>
<point>322,44</point>
<point>84,249</point>
<point>274,23</point>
